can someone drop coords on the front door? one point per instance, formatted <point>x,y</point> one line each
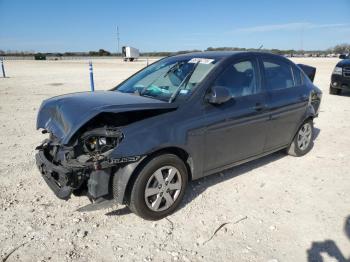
<point>236,129</point>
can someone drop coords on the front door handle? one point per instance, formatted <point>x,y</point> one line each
<point>259,107</point>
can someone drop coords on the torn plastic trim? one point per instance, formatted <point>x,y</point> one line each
<point>124,160</point>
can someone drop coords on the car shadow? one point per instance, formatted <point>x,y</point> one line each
<point>119,212</point>
<point>198,186</point>
<point>329,247</point>
<point>316,133</point>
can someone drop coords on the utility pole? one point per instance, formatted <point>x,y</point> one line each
<point>302,38</point>
<point>118,48</point>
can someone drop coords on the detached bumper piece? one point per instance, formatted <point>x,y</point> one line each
<point>56,177</point>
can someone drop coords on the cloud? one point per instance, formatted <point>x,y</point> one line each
<point>287,27</point>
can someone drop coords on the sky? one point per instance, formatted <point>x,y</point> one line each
<point>160,25</point>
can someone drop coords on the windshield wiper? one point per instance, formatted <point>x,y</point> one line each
<point>184,81</point>
<point>176,66</point>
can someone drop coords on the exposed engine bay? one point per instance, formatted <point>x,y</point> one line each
<point>72,166</point>
<point>91,147</point>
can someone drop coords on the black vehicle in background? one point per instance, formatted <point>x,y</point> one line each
<point>179,119</point>
<point>340,79</point>
<point>39,56</point>
<point>344,56</point>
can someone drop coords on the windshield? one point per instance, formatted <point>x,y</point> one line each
<point>168,79</point>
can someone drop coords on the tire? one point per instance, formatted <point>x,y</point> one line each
<point>334,91</point>
<point>152,196</point>
<point>297,148</point>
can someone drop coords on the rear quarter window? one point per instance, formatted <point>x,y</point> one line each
<point>298,76</point>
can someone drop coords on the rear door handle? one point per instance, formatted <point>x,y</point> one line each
<point>259,107</point>
<point>303,97</point>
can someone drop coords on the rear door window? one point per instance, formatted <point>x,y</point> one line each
<point>278,74</point>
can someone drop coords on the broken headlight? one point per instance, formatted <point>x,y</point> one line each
<point>100,140</point>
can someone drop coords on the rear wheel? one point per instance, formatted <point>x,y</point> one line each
<point>334,91</point>
<point>159,187</point>
<point>303,140</point>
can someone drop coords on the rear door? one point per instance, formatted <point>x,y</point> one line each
<point>287,98</point>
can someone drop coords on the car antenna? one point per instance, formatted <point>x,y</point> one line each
<point>260,47</point>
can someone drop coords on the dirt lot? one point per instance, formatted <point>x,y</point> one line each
<point>277,208</point>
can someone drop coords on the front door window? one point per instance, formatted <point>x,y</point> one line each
<point>239,78</point>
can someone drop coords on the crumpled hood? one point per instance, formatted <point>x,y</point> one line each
<point>64,115</point>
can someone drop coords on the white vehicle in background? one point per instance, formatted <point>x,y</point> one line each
<point>130,53</point>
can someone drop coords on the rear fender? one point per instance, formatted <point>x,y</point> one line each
<point>309,114</point>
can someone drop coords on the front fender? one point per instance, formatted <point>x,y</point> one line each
<point>121,179</point>
<point>150,135</point>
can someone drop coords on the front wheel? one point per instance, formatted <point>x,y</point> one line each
<point>159,187</point>
<point>303,140</point>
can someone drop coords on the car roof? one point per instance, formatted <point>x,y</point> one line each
<point>218,55</point>
<point>210,54</point>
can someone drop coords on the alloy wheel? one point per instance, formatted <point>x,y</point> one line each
<point>163,188</point>
<point>304,136</point>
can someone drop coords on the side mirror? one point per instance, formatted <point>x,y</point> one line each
<point>219,95</point>
<point>342,56</point>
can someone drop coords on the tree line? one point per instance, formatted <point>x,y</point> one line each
<point>338,49</point>
<point>341,49</point>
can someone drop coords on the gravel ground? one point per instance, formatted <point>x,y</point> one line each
<point>278,208</point>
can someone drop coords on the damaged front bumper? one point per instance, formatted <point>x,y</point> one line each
<point>64,181</point>
<point>56,177</point>
<point>104,180</point>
